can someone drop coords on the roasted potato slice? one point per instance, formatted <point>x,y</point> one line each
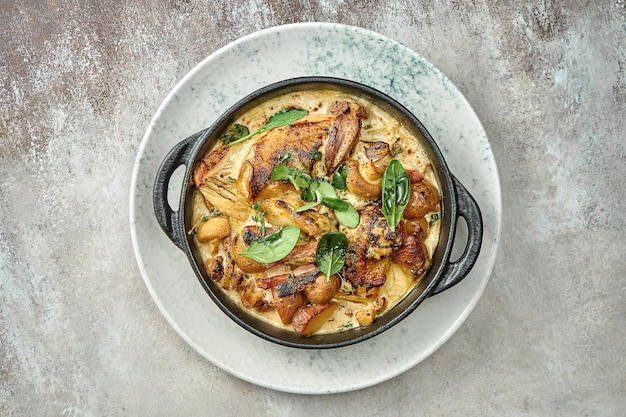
<point>245,264</point>
<point>423,200</point>
<point>287,306</point>
<point>309,318</point>
<point>216,228</point>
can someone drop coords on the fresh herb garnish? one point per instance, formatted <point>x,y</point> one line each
<point>259,217</point>
<point>299,178</point>
<point>316,155</point>
<point>203,218</point>
<point>236,132</point>
<point>397,148</point>
<point>285,157</point>
<point>313,194</point>
<point>433,219</point>
<point>321,192</point>
<point>331,253</point>
<point>279,119</point>
<point>349,217</point>
<point>395,194</point>
<point>339,177</point>
<point>273,247</point>
<point>336,204</point>
<point>308,194</point>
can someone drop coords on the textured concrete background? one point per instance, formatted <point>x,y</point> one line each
<point>79,333</point>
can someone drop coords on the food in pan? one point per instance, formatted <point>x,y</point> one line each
<point>316,211</point>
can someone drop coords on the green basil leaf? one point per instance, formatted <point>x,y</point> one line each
<point>308,195</point>
<point>349,218</point>
<point>273,247</point>
<point>281,173</point>
<point>335,204</point>
<point>236,132</point>
<point>325,189</point>
<point>331,253</point>
<point>318,200</point>
<point>281,118</point>
<point>339,178</point>
<point>298,178</point>
<point>395,193</point>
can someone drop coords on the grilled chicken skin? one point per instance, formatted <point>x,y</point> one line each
<point>334,135</point>
<point>369,246</point>
<point>295,145</point>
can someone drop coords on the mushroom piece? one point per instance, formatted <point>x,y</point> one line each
<point>322,290</point>
<point>358,184</point>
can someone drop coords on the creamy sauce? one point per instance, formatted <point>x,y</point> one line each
<point>353,309</point>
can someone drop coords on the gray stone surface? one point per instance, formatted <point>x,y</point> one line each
<point>79,333</point>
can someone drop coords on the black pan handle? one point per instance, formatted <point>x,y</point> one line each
<point>166,216</point>
<point>469,210</point>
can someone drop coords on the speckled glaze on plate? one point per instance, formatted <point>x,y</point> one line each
<point>250,63</point>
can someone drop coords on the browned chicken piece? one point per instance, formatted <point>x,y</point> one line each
<point>372,237</point>
<point>275,189</point>
<point>299,278</point>
<point>412,255</point>
<point>207,163</point>
<point>215,268</point>
<point>344,134</point>
<point>368,245</point>
<point>281,214</point>
<point>251,233</point>
<point>252,297</point>
<point>294,144</point>
<point>271,282</point>
<point>367,272</point>
<point>301,254</point>
<point>423,200</point>
<point>414,175</point>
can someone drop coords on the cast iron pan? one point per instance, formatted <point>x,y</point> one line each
<point>456,202</point>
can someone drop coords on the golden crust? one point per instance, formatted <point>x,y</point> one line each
<point>294,145</point>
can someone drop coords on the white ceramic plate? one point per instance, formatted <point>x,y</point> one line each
<point>242,67</point>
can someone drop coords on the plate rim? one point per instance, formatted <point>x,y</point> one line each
<point>163,310</point>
